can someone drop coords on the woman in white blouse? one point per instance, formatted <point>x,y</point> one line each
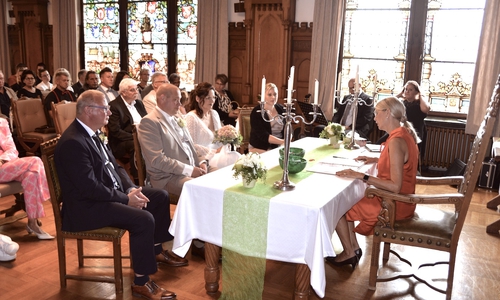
<point>202,121</point>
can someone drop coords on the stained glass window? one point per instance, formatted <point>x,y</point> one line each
<point>146,33</point>
<point>377,38</point>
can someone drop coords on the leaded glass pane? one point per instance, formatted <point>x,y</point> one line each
<point>101,34</point>
<point>147,36</point>
<point>187,23</point>
<point>375,39</point>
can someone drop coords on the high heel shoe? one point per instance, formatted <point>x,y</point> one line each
<point>353,261</point>
<point>358,253</point>
<point>41,236</point>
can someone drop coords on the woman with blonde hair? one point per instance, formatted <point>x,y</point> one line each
<point>397,173</point>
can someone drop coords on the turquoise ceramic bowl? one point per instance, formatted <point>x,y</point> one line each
<point>295,164</point>
<point>294,151</point>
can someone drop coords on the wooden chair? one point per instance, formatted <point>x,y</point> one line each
<point>64,113</point>
<point>431,228</point>
<point>140,164</point>
<point>110,234</point>
<point>244,127</point>
<point>16,189</point>
<point>28,116</point>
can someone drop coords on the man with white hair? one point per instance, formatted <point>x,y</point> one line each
<point>127,111</point>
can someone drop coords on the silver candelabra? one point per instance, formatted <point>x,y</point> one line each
<point>287,118</point>
<point>354,101</point>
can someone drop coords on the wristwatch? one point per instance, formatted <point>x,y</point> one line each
<point>366,177</point>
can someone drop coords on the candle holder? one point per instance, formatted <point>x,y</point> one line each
<point>354,101</point>
<point>287,118</point>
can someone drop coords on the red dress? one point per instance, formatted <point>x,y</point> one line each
<point>367,209</point>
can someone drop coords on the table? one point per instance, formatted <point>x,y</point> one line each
<point>300,227</point>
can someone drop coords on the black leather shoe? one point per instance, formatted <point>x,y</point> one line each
<point>353,261</point>
<point>170,259</point>
<point>152,291</point>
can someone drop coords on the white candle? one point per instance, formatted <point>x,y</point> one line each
<point>263,89</point>
<point>356,82</point>
<point>316,91</point>
<point>290,86</point>
<point>339,81</point>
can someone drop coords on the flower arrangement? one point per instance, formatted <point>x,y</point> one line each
<point>228,135</point>
<point>103,138</point>
<point>332,130</point>
<point>250,167</point>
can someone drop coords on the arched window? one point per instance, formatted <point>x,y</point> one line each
<point>130,35</point>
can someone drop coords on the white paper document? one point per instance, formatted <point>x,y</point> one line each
<point>332,165</point>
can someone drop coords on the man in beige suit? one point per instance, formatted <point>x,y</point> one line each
<point>169,152</point>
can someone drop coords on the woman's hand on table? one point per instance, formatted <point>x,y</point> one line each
<point>367,159</point>
<point>349,173</point>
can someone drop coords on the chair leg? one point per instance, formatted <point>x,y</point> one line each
<point>387,249</point>
<point>79,247</point>
<point>451,272</point>
<point>117,257</point>
<point>61,251</point>
<point>374,264</point>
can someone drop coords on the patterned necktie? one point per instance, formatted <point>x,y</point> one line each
<point>112,172</point>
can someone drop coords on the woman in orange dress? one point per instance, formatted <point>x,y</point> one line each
<point>31,173</point>
<point>397,172</point>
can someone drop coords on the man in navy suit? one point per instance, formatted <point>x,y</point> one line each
<point>126,111</point>
<point>97,192</point>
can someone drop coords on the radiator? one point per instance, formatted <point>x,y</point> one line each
<point>443,145</point>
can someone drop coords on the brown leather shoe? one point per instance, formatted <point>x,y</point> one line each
<point>170,259</point>
<point>152,291</point>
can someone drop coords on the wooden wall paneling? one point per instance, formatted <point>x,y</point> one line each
<point>15,51</point>
<point>237,62</point>
<point>301,58</point>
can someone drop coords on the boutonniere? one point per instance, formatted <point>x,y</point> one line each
<point>181,122</point>
<point>103,137</point>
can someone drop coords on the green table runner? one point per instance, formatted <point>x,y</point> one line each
<point>244,229</point>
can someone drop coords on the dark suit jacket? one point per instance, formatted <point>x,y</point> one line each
<point>120,125</point>
<point>364,119</point>
<point>84,180</point>
<point>77,88</point>
<point>261,130</point>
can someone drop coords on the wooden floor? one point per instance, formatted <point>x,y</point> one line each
<point>34,274</point>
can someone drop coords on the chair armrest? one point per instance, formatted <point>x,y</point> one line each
<point>447,180</point>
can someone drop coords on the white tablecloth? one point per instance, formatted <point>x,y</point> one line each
<point>301,222</point>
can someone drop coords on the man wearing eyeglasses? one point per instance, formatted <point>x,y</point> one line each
<point>126,111</point>
<point>97,192</point>
<point>150,99</point>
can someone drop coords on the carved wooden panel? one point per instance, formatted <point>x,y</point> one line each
<point>237,62</point>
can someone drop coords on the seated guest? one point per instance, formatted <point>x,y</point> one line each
<point>397,172</point>
<point>14,81</point>
<point>31,173</point>
<point>202,121</point>
<point>343,116</point>
<point>144,75</point>
<point>91,81</point>
<point>78,86</point>
<point>7,95</point>
<point>97,192</point>
<point>184,103</point>
<point>45,84</point>
<point>169,152</point>
<point>149,100</point>
<point>224,105</point>
<point>29,90</point>
<point>106,77</point>
<point>118,78</point>
<point>60,93</point>
<point>175,79</point>
<point>126,111</point>
<point>266,135</point>
<point>39,67</point>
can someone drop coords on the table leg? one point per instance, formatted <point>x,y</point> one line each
<point>494,227</point>
<point>212,271</point>
<point>302,282</point>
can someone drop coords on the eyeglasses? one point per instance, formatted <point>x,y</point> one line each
<point>29,78</point>
<point>105,108</point>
